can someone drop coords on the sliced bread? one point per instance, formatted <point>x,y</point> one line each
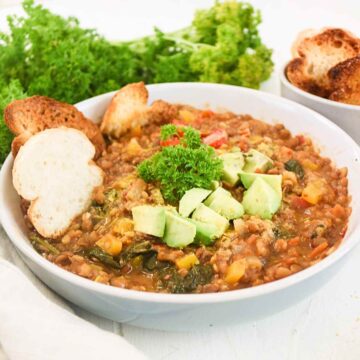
<point>29,116</point>
<point>55,172</point>
<point>345,81</point>
<point>316,54</point>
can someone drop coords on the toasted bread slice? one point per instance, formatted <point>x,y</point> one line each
<point>54,171</point>
<point>316,55</point>
<point>345,80</point>
<point>305,34</point>
<point>29,116</point>
<point>297,73</point>
<point>127,110</point>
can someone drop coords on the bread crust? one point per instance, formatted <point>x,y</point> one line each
<point>316,53</point>
<point>37,113</point>
<point>298,76</point>
<point>329,39</point>
<point>128,109</point>
<point>63,158</point>
<point>345,81</point>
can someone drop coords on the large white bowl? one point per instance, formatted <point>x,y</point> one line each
<point>187,312</point>
<point>344,115</point>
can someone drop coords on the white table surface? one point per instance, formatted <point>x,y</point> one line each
<point>325,326</point>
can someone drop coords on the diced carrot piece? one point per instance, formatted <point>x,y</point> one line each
<point>187,261</point>
<point>318,250</point>
<point>110,244</point>
<point>235,271</point>
<point>314,191</point>
<point>187,116</point>
<point>294,241</point>
<point>308,164</point>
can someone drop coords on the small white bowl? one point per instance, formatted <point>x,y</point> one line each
<point>190,311</point>
<point>344,115</point>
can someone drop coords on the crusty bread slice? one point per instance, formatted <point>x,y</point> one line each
<point>316,54</point>
<point>298,74</point>
<point>305,34</point>
<point>127,110</point>
<point>345,81</point>
<point>29,116</point>
<point>54,171</point>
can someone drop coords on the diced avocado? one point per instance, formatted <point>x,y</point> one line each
<point>218,192</point>
<point>191,200</point>
<point>261,199</point>
<point>224,204</point>
<point>273,180</point>
<point>149,219</point>
<point>205,233</point>
<point>232,165</point>
<point>257,161</point>
<point>215,184</point>
<point>179,232</point>
<point>209,216</point>
<point>227,207</point>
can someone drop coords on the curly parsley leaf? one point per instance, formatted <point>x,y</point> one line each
<point>167,131</point>
<point>179,168</point>
<point>53,56</point>
<point>50,55</point>
<point>191,138</point>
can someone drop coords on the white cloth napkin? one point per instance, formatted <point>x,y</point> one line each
<point>35,324</point>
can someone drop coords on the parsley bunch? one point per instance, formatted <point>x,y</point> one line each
<point>47,54</point>
<point>222,45</point>
<point>176,169</point>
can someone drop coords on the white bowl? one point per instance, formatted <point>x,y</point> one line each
<point>344,115</point>
<point>190,311</point>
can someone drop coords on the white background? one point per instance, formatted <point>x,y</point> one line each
<point>325,326</point>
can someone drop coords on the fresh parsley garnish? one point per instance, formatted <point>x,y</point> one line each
<point>182,167</point>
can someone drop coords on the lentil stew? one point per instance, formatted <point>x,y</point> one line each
<point>102,244</point>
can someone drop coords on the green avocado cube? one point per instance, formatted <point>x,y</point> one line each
<point>191,200</point>
<point>179,232</point>
<point>261,199</point>
<point>232,165</point>
<point>206,233</point>
<point>219,192</point>
<point>149,219</point>
<point>209,216</point>
<point>227,207</point>
<point>257,161</point>
<point>273,180</point>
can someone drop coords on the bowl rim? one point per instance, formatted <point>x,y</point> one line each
<point>284,80</point>
<point>14,233</point>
